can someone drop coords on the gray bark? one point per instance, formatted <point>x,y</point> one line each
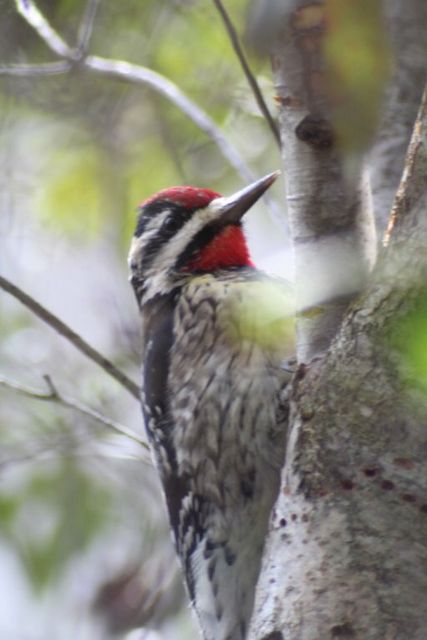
<point>406,24</point>
<point>347,557</point>
<point>347,552</point>
<point>330,218</point>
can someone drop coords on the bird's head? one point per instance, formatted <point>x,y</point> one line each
<point>186,230</point>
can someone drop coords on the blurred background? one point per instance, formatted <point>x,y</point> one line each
<point>85,551</point>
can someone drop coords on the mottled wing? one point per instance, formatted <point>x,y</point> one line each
<point>186,510</point>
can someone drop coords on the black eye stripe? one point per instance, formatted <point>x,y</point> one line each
<point>140,225</point>
<point>176,219</point>
<point>147,213</point>
<point>200,240</point>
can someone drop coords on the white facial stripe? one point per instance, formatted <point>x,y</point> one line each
<point>157,275</point>
<point>168,254</point>
<point>156,221</point>
<point>138,245</point>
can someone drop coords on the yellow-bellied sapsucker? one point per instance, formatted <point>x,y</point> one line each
<point>212,393</point>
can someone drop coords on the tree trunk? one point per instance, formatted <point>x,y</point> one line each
<point>406,24</point>
<point>347,552</point>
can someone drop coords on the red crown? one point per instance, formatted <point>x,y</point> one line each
<point>191,197</point>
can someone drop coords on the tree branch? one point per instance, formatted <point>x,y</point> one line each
<point>405,24</point>
<point>413,177</point>
<point>127,71</point>
<point>76,340</point>
<point>252,81</point>
<point>86,26</point>
<point>28,456</point>
<point>30,70</point>
<point>164,86</point>
<point>330,218</point>
<point>354,478</point>
<point>36,19</point>
<point>53,395</point>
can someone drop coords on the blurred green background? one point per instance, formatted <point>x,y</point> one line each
<point>85,551</point>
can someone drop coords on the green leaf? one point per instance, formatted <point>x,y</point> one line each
<point>409,337</point>
<point>54,518</point>
<point>358,65</point>
<point>8,509</point>
<point>73,192</point>
<point>263,314</point>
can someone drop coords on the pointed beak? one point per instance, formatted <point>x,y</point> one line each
<point>232,208</point>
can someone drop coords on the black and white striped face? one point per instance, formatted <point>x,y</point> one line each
<point>177,225</point>
<point>172,226</point>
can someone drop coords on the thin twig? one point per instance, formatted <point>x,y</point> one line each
<point>70,335</point>
<point>48,450</point>
<point>256,90</point>
<point>408,187</point>
<point>132,73</point>
<point>36,19</point>
<point>53,395</point>
<point>32,70</point>
<point>167,88</point>
<point>86,26</point>
<point>27,456</point>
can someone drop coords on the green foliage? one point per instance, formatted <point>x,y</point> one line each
<point>11,323</point>
<point>409,337</point>
<point>55,516</point>
<point>79,152</point>
<point>358,59</point>
<point>265,315</point>
<point>8,508</point>
<point>72,197</point>
<point>107,144</point>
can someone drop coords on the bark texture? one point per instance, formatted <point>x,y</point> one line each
<point>330,218</point>
<point>347,557</point>
<point>406,26</point>
<point>347,554</point>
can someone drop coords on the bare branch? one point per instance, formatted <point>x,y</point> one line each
<point>86,26</point>
<point>414,170</point>
<point>252,81</point>
<point>57,447</point>
<point>48,451</point>
<point>29,70</point>
<point>164,86</point>
<point>53,40</point>
<point>131,73</point>
<point>71,336</point>
<point>368,386</point>
<point>53,395</point>
<point>406,36</point>
<point>30,455</point>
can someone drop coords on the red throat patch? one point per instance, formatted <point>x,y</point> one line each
<point>227,249</point>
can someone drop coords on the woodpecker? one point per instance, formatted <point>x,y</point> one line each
<point>213,390</point>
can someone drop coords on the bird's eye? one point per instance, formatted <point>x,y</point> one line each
<point>171,224</point>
